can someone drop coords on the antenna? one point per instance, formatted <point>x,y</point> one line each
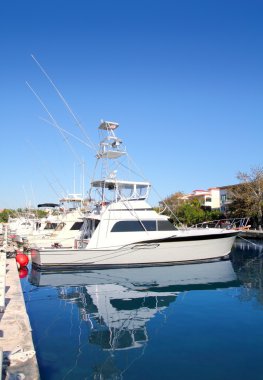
<point>65,102</point>
<point>54,122</point>
<point>67,132</point>
<point>51,170</point>
<point>83,179</point>
<point>27,203</point>
<point>33,195</point>
<point>74,181</point>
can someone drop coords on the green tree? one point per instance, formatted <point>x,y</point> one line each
<point>247,197</point>
<point>174,201</point>
<point>188,212</point>
<point>40,213</point>
<point>5,214</point>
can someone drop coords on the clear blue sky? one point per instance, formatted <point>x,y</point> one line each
<point>183,78</point>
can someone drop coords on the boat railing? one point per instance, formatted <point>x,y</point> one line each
<point>229,223</point>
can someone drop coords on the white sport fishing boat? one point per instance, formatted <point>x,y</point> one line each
<point>64,228</point>
<point>123,230</point>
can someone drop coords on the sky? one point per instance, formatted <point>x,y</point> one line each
<point>183,78</point>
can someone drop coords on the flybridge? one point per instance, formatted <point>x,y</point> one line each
<point>110,187</point>
<point>111,145</point>
<point>124,189</point>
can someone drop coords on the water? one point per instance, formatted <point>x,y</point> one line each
<point>190,322</point>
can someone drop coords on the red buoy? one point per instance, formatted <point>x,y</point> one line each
<point>23,272</point>
<point>22,259</point>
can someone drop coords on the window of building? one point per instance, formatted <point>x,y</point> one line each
<point>223,198</point>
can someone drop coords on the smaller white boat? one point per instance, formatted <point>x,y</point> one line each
<point>63,226</point>
<point>23,225</point>
<point>123,230</point>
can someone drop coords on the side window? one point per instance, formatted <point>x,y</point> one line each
<point>165,225</point>
<point>77,226</point>
<point>127,226</point>
<point>149,225</point>
<point>134,226</point>
<point>50,226</point>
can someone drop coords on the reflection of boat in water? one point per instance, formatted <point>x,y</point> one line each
<point>119,302</point>
<point>247,260</point>
<point>189,276</point>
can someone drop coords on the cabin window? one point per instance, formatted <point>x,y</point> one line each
<point>50,226</point>
<point>77,226</point>
<point>88,228</point>
<point>148,225</point>
<point>165,225</point>
<point>127,226</point>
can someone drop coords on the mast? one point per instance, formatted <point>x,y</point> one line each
<point>110,156</point>
<point>110,148</point>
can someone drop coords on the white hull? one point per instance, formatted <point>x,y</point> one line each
<point>158,252</point>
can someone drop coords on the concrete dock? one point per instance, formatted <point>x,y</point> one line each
<point>252,234</point>
<point>16,345</point>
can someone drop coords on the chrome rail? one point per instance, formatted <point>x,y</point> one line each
<point>229,223</point>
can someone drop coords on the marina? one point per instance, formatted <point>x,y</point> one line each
<point>131,197</point>
<point>110,282</point>
<point>109,287</point>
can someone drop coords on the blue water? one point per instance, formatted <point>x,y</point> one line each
<point>190,322</point>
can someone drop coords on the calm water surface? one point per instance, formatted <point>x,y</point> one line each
<point>189,322</point>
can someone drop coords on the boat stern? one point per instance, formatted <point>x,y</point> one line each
<point>35,257</point>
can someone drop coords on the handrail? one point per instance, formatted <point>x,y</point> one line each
<point>229,223</point>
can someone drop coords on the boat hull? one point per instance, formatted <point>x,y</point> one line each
<point>169,251</point>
